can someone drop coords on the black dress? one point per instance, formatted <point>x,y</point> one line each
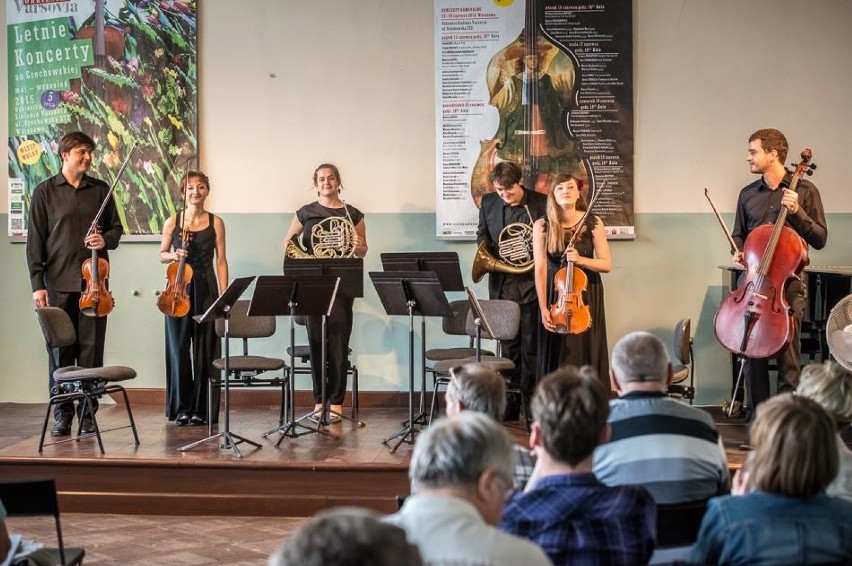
<point>590,347</point>
<point>191,347</point>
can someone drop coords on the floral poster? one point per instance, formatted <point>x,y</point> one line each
<point>122,71</point>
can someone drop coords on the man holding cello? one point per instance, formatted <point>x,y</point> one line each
<point>761,203</point>
<point>61,211</point>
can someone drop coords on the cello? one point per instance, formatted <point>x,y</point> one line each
<point>568,312</point>
<point>97,300</point>
<point>755,321</point>
<point>174,300</point>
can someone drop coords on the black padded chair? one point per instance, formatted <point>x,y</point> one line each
<point>248,370</point>
<point>302,353</point>
<point>37,498</point>
<point>504,317</point>
<point>684,368</point>
<point>677,530</point>
<point>75,383</point>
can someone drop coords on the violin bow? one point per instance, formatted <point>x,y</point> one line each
<point>586,214</point>
<point>734,248</point>
<point>94,225</point>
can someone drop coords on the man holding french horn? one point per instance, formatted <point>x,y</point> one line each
<point>329,228</point>
<point>504,236</point>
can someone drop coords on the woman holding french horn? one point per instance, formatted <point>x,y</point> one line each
<point>570,237</point>
<point>329,228</point>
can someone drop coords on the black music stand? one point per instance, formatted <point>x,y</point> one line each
<point>404,293</point>
<point>446,265</point>
<point>350,271</point>
<point>221,308</point>
<point>280,295</point>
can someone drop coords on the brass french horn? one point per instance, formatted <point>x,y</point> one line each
<point>515,251</point>
<point>331,238</point>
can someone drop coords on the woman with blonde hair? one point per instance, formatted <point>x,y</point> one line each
<point>779,512</point>
<point>830,385</point>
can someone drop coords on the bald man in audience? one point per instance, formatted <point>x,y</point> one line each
<point>661,443</point>
<point>476,387</point>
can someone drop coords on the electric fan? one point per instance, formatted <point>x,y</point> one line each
<point>838,332</point>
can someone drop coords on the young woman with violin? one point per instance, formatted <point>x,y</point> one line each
<point>61,210</point>
<point>330,228</point>
<point>588,254</point>
<point>761,203</point>
<point>197,237</point>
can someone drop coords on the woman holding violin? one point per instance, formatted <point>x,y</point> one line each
<point>328,228</point>
<point>761,203</point>
<point>568,250</point>
<point>58,244</point>
<point>194,241</point>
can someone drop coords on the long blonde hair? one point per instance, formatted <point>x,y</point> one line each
<point>557,235</point>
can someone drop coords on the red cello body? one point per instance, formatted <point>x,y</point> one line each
<point>755,320</point>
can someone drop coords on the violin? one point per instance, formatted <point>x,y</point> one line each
<point>174,300</point>
<point>569,313</point>
<point>532,83</point>
<point>755,320</point>
<point>96,300</point>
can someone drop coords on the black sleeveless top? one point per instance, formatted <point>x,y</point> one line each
<point>201,246</point>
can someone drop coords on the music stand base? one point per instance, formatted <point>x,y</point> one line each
<point>230,441</point>
<point>406,435</point>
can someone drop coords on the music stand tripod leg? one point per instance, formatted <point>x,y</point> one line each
<point>408,432</point>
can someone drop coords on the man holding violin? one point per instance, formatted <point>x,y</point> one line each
<point>61,211</point>
<point>761,203</point>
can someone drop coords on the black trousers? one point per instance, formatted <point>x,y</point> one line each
<point>756,372</point>
<point>190,351</point>
<point>87,351</point>
<point>338,332</point>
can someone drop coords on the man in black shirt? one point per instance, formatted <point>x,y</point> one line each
<point>760,203</point>
<point>61,211</point>
<point>512,203</point>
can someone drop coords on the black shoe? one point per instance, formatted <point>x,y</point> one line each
<point>87,426</point>
<point>182,419</point>
<point>62,427</point>
<point>196,421</point>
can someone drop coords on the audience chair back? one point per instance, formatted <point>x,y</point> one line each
<point>37,498</point>
<point>78,383</point>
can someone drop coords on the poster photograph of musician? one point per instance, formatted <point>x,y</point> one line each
<point>125,72</point>
<point>543,83</point>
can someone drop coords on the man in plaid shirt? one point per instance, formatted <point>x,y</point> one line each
<point>565,509</point>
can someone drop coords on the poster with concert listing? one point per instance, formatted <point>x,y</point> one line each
<point>122,71</point>
<point>546,84</point>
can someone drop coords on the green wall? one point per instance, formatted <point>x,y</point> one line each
<point>669,272</point>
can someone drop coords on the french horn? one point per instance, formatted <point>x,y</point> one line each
<point>331,238</point>
<point>514,247</point>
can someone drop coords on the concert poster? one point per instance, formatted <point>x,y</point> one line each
<point>122,71</point>
<point>546,84</point>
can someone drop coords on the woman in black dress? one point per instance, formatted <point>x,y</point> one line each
<point>590,253</point>
<point>311,221</point>
<point>198,236</point>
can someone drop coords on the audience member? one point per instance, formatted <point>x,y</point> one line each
<point>346,536</point>
<point>5,542</point>
<point>565,509</point>
<point>830,385</point>
<point>661,443</point>
<point>460,472</point>
<point>779,512</point>
<point>475,387</point>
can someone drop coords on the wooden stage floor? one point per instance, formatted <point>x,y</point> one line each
<point>297,479</point>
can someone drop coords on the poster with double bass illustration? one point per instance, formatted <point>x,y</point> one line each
<point>122,71</point>
<point>546,84</point>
